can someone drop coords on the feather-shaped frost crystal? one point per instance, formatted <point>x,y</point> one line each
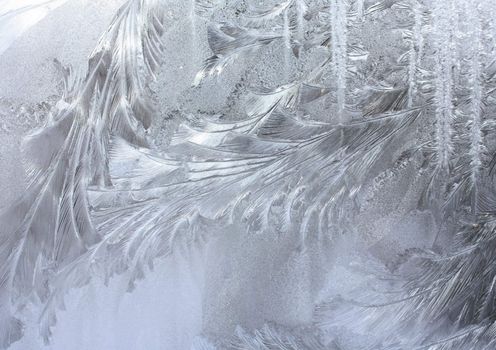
<point>271,175</point>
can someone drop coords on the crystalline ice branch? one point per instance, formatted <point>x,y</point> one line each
<point>339,15</point>
<point>50,226</point>
<point>444,86</point>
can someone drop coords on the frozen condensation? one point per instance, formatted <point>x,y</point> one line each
<point>247,174</point>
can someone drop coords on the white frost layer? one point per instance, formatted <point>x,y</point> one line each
<point>164,312</point>
<point>27,65</point>
<point>18,16</point>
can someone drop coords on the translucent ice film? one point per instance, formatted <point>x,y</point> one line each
<point>247,174</point>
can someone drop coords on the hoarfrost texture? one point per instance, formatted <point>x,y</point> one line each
<point>247,174</point>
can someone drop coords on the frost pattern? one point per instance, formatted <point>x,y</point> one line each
<point>325,124</point>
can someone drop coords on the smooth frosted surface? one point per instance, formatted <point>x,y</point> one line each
<point>247,174</point>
